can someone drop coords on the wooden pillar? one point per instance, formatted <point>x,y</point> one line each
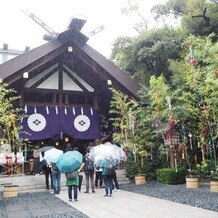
<point>95,100</point>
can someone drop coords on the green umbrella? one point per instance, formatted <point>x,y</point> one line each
<point>69,161</point>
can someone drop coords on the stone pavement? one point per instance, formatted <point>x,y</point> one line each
<point>131,205</point>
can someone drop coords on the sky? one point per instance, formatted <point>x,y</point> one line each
<point>19,31</point>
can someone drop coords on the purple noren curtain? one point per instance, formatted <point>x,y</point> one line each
<point>43,122</point>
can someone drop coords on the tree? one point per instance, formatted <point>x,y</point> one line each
<point>9,114</point>
<point>134,7</point>
<point>148,54</point>
<point>198,17</point>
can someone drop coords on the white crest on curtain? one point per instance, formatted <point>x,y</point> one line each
<point>25,108</point>
<point>47,110</point>
<point>91,110</point>
<point>65,110</point>
<point>82,112</point>
<point>35,110</point>
<point>56,110</point>
<point>74,112</point>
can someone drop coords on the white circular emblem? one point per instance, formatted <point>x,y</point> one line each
<point>36,122</point>
<point>82,123</point>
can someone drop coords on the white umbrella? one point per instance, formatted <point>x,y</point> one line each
<point>107,151</point>
<point>52,155</point>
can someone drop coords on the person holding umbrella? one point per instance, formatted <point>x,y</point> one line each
<point>47,169</point>
<point>108,170</point>
<point>69,163</point>
<point>56,178</point>
<point>73,184</point>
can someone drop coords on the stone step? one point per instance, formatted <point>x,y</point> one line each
<point>31,183</point>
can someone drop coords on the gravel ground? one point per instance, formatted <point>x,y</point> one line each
<point>40,204</point>
<point>45,204</point>
<point>201,197</point>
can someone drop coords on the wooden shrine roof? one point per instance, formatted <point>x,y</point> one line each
<point>83,61</point>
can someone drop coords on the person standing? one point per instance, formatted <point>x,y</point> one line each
<point>107,172</point>
<point>73,187</point>
<point>36,156</point>
<point>47,169</point>
<point>88,164</point>
<point>114,179</point>
<point>68,147</point>
<point>56,178</point>
<point>98,177</point>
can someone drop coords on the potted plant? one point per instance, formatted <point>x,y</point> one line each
<point>214,181</point>
<point>130,132</point>
<point>192,179</point>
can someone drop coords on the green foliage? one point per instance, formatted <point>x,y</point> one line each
<point>122,110</point>
<point>132,167</point>
<point>205,168</point>
<point>170,176</point>
<point>189,97</point>
<point>148,54</point>
<point>193,173</point>
<point>198,17</point>
<point>214,176</point>
<point>9,115</point>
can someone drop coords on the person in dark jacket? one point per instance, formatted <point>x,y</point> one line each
<point>89,167</point>
<point>115,182</point>
<point>68,147</point>
<point>47,169</point>
<point>98,177</point>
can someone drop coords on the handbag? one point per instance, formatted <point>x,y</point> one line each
<point>72,175</point>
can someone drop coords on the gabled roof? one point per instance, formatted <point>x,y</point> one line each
<point>83,63</point>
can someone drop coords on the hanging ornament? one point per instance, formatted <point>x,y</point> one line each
<point>192,59</point>
<point>91,111</point>
<point>61,133</point>
<point>25,108</point>
<point>183,155</point>
<point>196,91</point>
<point>47,110</point>
<point>35,110</point>
<point>203,107</point>
<point>190,140</point>
<point>74,112</point>
<point>82,112</point>
<point>169,102</point>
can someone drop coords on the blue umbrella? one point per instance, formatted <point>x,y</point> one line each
<point>69,161</point>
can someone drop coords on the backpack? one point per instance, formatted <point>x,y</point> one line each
<point>110,171</point>
<point>89,165</point>
<point>72,175</point>
<point>54,167</point>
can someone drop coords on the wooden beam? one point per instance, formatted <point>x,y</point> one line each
<point>35,65</point>
<point>75,80</point>
<point>36,84</point>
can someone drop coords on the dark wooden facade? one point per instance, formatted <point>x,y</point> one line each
<point>66,72</point>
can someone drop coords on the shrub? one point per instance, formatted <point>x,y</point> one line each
<point>170,176</point>
<point>131,169</point>
<point>149,169</point>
